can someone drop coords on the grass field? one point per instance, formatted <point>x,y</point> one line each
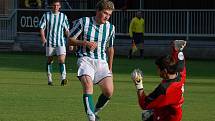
<point>25,95</point>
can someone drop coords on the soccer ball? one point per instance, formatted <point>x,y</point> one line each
<point>137,75</point>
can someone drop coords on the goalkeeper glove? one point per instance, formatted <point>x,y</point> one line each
<point>137,77</point>
<point>180,44</point>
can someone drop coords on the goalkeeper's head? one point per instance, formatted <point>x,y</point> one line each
<point>167,66</point>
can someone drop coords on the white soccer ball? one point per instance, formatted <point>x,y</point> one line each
<point>137,75</point>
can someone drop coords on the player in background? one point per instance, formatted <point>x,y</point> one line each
<point>53,25</point>
<point>97,34</point>
<point>164,103</point>
<point>136,33</point>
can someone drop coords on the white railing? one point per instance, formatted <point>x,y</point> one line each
<point>8,20</point>
<point>7,7</point>
<point>8,27</point>
<point>169,22</point>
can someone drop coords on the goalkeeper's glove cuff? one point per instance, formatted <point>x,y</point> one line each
<point>139,86</point>
<point>180,55</point>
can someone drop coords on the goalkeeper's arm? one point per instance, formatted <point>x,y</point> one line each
<point>137,77</point>
<point>141,98</point>
<point>177,53</point>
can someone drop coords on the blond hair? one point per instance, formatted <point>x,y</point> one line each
<point>105,5</point>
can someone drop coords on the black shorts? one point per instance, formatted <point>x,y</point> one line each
<point>138,38</point>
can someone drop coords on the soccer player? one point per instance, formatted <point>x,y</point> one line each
<point>97,34</point>
<point>56,25</point>
<point>165,102</point>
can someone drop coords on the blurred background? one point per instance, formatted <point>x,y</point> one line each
<point>165,20</point>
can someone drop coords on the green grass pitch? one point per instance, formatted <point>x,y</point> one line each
<point>25,95</point>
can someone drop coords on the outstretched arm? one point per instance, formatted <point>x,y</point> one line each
<point>178,56</point>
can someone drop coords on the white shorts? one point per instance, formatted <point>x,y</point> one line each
<point>95,68</point>
<point>50,51</point>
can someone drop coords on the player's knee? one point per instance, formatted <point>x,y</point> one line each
<point>88,88</point>
<point>108,93</point>
<point>62,61</point>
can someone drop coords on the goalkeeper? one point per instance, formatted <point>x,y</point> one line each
<point>166,100</point>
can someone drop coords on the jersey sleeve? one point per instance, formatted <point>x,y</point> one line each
<point>77,28</point>
<point>43,22</point>
<point>112,36</point>
<point>66,23</point>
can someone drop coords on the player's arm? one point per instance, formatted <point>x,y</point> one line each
<point>141,98</point>
<point>163,96</point>
<point>178,56</point>
<point>66,26</point>
<point>75,32</point>
<point>143,27</point>
<point>111,48</point>
<point>43,37</point>
<point>42,26</point>
<point>177,53</point>
<point>67,33</point>
<point>71,48</point>
<point>137,77</point>
<point>75,42</point>
<point>110,57</point>
<point>131,28</point>
<point>151,101</point>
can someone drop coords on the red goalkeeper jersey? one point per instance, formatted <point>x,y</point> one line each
<point>166,100</point>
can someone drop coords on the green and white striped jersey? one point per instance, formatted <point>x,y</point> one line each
<point>89,30</point>
<point>55,26</point>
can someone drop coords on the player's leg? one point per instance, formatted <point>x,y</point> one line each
<point>49,70</point>
<point>86,76</point>
<point>107,88</point>
<point>87,85</point>
<point>103,77</point>
<point>49,53</point>
<point>61,52</point>
<point>61,59</point>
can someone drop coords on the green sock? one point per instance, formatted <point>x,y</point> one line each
<point>49,71</point>
<point>62,70</point>
<point>89,106</point>
<point>102,102</point>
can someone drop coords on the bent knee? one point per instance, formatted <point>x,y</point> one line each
<point>108,93</point>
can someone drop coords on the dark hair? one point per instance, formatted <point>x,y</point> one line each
<point>105,4</point>
<point>55,1</point>
<point>166,62</point>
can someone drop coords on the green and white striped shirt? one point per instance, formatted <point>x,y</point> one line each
<point>89,30</point>
<point>55,25</point>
